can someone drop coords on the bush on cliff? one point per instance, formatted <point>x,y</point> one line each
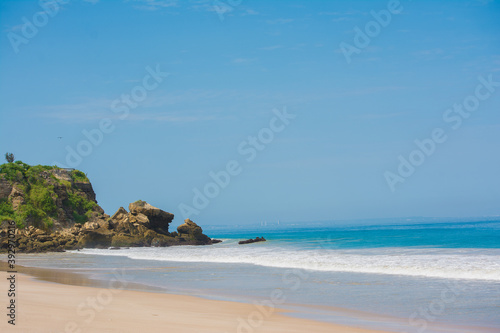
<point>81,207</point>
<point>79,177</point>
<point>6,210</point>
<point>38,187</point>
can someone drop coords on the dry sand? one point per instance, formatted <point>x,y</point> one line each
<point>53,307</point>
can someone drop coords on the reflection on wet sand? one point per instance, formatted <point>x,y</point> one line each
<point>71,278</point>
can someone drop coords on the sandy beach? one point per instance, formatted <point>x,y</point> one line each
<point>43,306</point>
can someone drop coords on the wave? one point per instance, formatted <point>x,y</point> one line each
<point>476,264</point>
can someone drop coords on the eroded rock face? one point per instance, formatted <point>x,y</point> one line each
<point>5,188</point>
<point>120,216</point>
<point>158,219</point>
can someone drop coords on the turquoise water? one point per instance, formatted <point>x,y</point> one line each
<point>428,272</point>
<point>478,234</point>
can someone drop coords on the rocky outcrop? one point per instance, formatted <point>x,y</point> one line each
<point>192,231</point>
<point>158,219</point>
<point>46,197</point>
<point>31,240</point>
<point>55,209</point>
<point>144,225</point>
<point>123,229</point>
<point>250,241</point>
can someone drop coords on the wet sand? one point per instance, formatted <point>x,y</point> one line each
<point>73,303</point>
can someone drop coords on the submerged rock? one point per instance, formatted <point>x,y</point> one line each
<point>250,241</point>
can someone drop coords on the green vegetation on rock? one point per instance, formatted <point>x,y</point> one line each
<point>140,203</point>
<point>6,211</point>
<point>79,177</point>
<point>23,173</point>
<point>43,195</point>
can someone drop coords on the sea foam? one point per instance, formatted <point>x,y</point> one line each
<point>477,264</point>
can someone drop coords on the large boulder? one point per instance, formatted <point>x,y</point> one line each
<point>191,231</point>
<point>98,238</point>
<point>189,227</point>
<point>158,219</point>
<point>141,219</point>
<point>120,216</point>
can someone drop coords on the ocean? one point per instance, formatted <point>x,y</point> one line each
<point>404,275</point>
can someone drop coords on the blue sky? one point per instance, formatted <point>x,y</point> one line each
<point>230,64</point>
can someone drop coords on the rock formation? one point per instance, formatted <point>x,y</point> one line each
<point>56,209</point>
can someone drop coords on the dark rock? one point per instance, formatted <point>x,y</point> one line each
<point>250,241</point>
<point>191,231</point>
<point>5,188</point>
<point>95,239</point>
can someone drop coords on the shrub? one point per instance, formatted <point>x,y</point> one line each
<point>80,203</point>
<point>79,177</point>
<point>6,210</point>
<point>29,212</point>
<point>40,197</point>
<point>9,157</point>
<point>81,219</point>
<point>81,207</point>
<point>14,171</point>
<point>19,223</point>
<point>66,183</point>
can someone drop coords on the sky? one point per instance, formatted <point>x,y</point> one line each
<point>241,111</point>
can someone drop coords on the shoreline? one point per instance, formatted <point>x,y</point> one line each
<point>75,303</point>
<point>116,291</point>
